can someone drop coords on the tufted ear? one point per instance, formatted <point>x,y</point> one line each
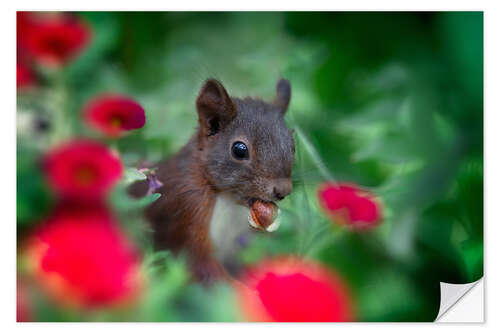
<point>283,94</point>
<point>215,108</point>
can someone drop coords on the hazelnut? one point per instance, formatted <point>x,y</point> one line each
<point>264,216</point>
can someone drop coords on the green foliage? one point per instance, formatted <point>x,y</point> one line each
<point>33,197</point>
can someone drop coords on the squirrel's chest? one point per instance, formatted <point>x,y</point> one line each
<point>229,229</point>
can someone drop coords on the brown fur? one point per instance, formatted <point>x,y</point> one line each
<point>204,167</point>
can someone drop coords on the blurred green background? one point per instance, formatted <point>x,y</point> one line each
<point>390,101</point>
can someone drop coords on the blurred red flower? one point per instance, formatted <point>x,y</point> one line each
<point>82,169</point>
<point>52,39</point>
<point>291,289</point>
<point>25,77</point>
<point>23,25</point>
<point>349,205</point>
<point>114,114</point>
<point>80,257</point>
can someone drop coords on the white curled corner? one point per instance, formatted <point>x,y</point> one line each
<point>455,296</point>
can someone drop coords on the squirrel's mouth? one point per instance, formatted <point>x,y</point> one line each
<point>263,215</point>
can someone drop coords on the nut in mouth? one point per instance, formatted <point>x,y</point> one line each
<point>264,215</point>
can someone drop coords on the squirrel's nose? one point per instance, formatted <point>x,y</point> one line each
<point>282,188</point>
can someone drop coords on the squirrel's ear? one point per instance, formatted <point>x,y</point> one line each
<point>214,106</point>
<point>283,93</point>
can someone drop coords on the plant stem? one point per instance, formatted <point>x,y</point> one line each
<point>57,97</point>
<point>325,173</point>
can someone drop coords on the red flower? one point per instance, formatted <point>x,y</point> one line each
<point>349,205</point>
<point>294,290</point>
<point>114,114</point>
<point>25,77</point>
<point>23,25</point>
<point>82,169</point>
<point>80,257</point>
<point>53,40</point>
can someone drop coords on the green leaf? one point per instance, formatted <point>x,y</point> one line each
<point>132,175</point>
<point>124,202</point>
<point>473,257</point>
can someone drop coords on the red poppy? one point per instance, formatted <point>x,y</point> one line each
<point>80,257</point>
<point>294,290</point>
<point>82,169</point>
<point>350,205</point>
<point>53,39</point>
<point>114,114</point>
<point>25,77</point>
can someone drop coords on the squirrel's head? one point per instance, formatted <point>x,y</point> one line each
<point>246,149</point>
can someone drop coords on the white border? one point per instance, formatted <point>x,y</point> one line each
<point>259,5</point>
<point>7,199</point>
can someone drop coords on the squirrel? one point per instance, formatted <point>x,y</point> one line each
<point>241,152</point>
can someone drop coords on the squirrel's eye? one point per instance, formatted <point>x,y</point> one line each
<point>240,150</point>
